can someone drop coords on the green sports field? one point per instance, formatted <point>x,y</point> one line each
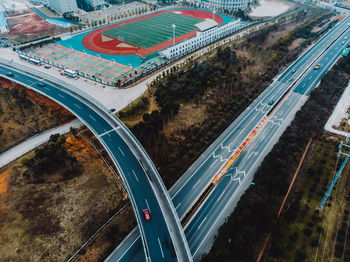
<point>153,30</point>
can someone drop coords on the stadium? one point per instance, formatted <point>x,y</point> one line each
<point>136,45</point>
<point>147,34</point>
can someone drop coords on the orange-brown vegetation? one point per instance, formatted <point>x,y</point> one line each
<point>50,220</point>
<point>4,181</point>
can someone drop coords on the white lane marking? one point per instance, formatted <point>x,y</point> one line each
<point>92,117</point>
<point>253,151</point>
<point>62,96</point>
<point>196,184</point>
<point>310,77</point>
<point>161,249</point>
<point>201,223</point>
<point>135,175</point>
<point>149,210</point>
<point>304,84</point>
<point>213,163</point>
<point>77,106</point>
<point>121,151</point>
<point>178,205</point>
<point>221,195</point>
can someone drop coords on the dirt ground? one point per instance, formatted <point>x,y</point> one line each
<point>29,23</point>
<point>345,122</point>
<point>50,220</point>
<point>23,114</point>
<point>29,26</point>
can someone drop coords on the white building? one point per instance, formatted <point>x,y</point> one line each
<point>40,2</point>
<point>64,6</point>
<point>231,5</point>
<point>208,32</point>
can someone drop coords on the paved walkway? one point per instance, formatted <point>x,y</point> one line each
<point>34,142</point>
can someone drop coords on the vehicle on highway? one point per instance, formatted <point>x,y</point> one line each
<point>41,84</point>
<point>9,74</point>
<point>271,102</point>
<point>47,66</point>
<point>291,80</point>
<point>343,42</point>
<point>317,66</point>
<point>293,71</point>
<point>112,110</point>
<point>146,214</point>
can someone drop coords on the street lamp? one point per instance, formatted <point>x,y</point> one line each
<point>213,14</point>
<point>174,26</point>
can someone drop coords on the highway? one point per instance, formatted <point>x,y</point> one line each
<point>202,227</point>
<point>226,194</point>
<point>164,239</point>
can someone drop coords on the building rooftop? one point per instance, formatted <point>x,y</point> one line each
<point>206,24</point>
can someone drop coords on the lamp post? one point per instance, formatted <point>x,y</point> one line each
<point>174,26</point>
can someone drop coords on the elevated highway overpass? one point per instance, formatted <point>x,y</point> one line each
<point>163,236</point>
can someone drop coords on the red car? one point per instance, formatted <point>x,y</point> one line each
<point>63,74</point>
<point>146,214</point>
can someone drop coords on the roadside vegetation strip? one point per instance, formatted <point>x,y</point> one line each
<point>294,177</point>
<point>255,214</point>
<point>96,234</point>
<point>284,200</point>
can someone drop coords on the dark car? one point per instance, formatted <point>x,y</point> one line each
<point>146,214</point>
<point>271,102</point>
<point>41,84</point>
<point>9,73</point>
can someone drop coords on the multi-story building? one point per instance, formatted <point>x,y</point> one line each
<point>208,32</point>
<point>39,2</point>
<point>231,5</point>
<point>64,6</point>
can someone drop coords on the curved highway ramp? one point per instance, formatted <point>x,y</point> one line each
<point>163,237</point>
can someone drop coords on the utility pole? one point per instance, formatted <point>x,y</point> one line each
<point>344,149</point>
<point>174,26</point>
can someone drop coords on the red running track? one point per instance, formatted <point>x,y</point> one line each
<point>93,41</point>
